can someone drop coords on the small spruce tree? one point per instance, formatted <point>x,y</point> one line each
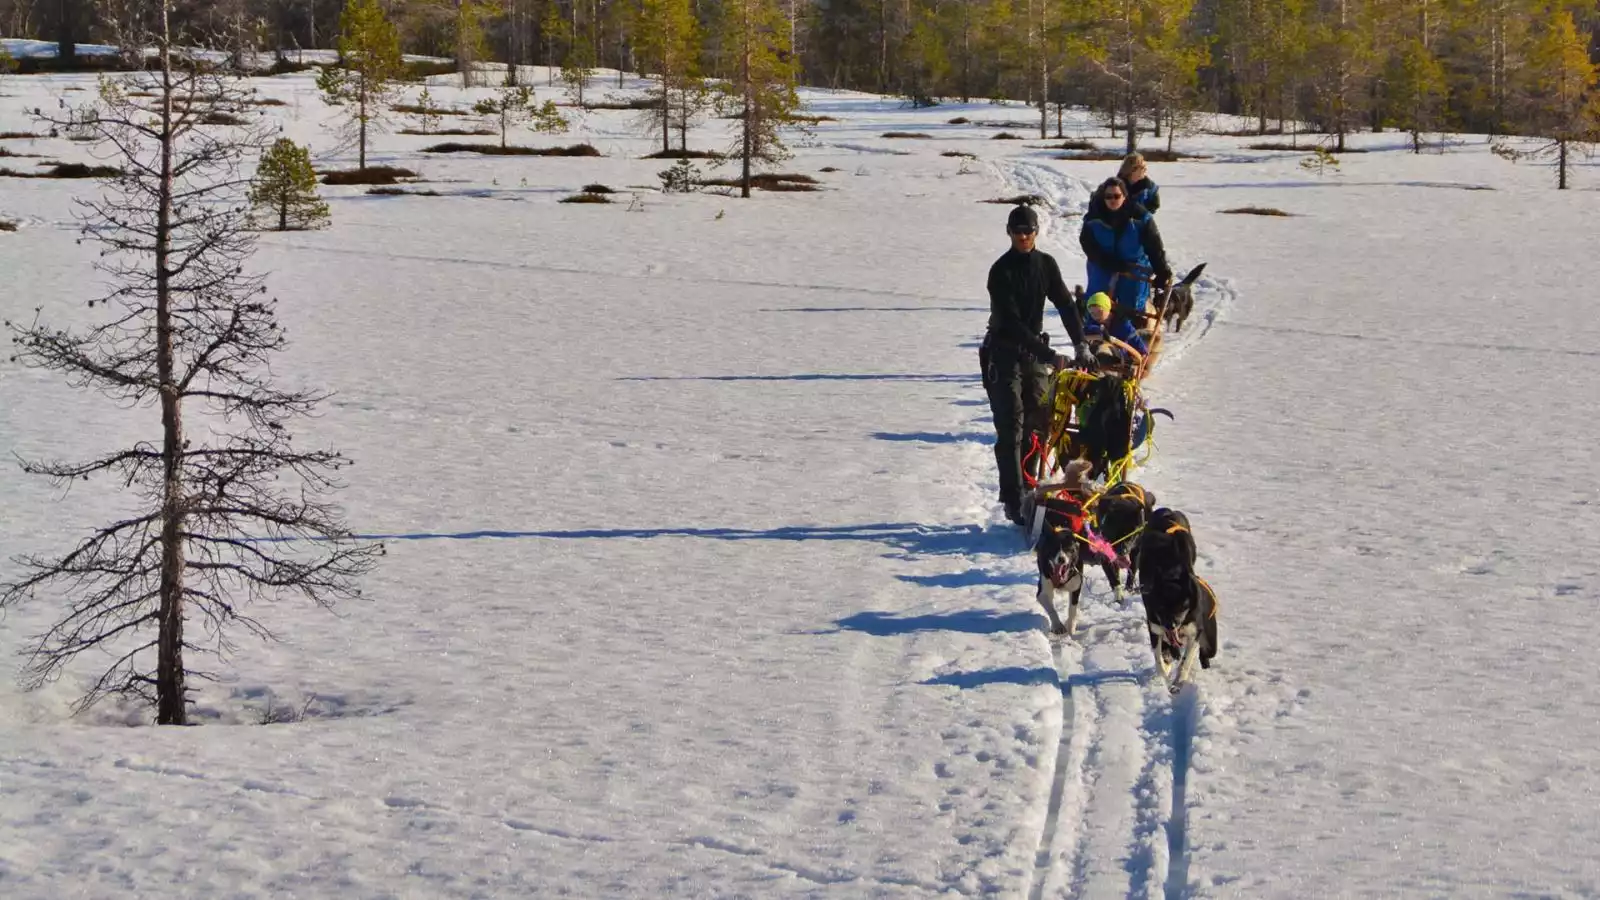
<point>1321,162</point>
<point>7,65</point>
<point>285,189</point>
<point>427,112</point>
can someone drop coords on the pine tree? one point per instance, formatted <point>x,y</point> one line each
<point>514,105</point>
<point>285,188</point>
<point>557,32</point>
<point>1342,66</point>
<point>1417,82</point>
<point>1261,50</point>
<point>666,46</point>
<point>761,92</point>
<point>1140,45</point>
<point>470,42</point>
<point>369,48</point>
<point>578,68</point>
<point>1563,103</point>
<point>926,62</point>
<point>230,511</point>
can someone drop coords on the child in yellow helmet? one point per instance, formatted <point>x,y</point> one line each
<point>1105,327</point>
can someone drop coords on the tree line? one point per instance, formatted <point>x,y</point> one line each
<point>1335,66</point>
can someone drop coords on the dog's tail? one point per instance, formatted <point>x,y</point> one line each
<point>1194,274</point>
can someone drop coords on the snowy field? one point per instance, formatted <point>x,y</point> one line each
<point>696,585</point>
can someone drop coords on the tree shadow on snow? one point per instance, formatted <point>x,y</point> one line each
<point>910,538</point>
<point>969,578</point>
<point>815,377</point>
<point>968,621</point>
<point>889,309</point>
<point>1008,675</point>
<point>934,437</point>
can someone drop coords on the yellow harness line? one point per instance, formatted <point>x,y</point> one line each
<point>1175,529</point>
<point>1215,603</point>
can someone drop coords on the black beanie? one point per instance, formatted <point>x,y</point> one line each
<point>1022,217</point>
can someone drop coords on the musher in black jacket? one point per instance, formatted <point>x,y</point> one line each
<point>1016,355</point>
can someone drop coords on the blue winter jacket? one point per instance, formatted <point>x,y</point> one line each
<point>1126,241</point>
<point>1145,193</point>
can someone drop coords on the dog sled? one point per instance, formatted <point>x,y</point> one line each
<point>1083,510</point>
<point>1098,418</point>
<point>1168,310</point>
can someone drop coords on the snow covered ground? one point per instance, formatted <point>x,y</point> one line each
<point>695,585</point>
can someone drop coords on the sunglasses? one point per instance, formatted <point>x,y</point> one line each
<point>1022,231</point>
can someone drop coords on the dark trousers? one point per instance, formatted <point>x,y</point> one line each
<point>1017,387</point>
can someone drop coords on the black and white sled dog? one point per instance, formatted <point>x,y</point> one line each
<point>1059,556</point>
<point>1065,544</point>
<point>1120,514</point>
<point>1179,607</point>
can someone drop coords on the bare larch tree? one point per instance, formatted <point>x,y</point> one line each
<point>233,512</point>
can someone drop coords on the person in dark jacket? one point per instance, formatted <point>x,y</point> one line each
<point>1141,189</point>
<point>1016,356</point>
<point>1124,249</point>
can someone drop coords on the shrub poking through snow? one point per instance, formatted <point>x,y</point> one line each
<point>68,170</point>
<point>586,197</point>
<point>767,181</point>
<point>597,189</point>
<point>1255,211</point>
<point>368,175</point>
<point>7,225</point>
<point>513,150</point>
<point>911,135</point>
<point>284,191</point>
<point>1019,200</point>
<point>393,191</point>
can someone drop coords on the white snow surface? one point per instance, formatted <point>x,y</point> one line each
<point>695,583</point>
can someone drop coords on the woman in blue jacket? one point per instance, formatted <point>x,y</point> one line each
<point>1134,174</point>
<point>1123,247</point>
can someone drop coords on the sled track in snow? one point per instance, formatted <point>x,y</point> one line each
<point>1065,765</point>
<point>1116,820</point>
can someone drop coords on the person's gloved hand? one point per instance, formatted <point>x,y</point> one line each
<point>1163,278</point>
<point>1084,358</point>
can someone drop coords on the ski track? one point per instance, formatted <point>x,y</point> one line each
<point>1115,822</point>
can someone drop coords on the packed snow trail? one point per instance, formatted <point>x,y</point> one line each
<point>1115,819</point>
